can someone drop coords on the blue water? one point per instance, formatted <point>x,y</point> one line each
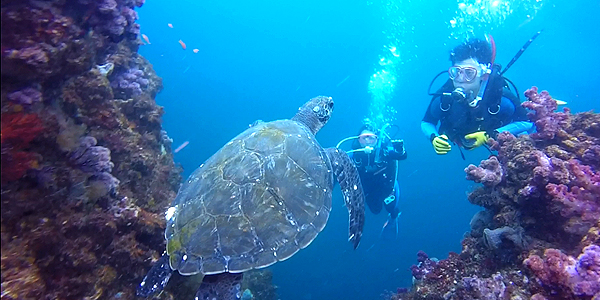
<point>263,59</point>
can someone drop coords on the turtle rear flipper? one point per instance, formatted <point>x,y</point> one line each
<point>156,279</point>
<point>347,176</point>
<point>224,286</point>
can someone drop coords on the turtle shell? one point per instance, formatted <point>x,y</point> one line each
<point>258,200</point>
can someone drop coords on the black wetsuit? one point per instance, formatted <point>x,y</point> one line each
<point>498,111</point>
<point>378,178</point>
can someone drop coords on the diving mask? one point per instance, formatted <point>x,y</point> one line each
<point>462,74</point>
<point>368,139</point>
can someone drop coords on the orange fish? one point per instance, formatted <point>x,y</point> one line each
<point>182,44</point>
<point>170,25</point>
<point>145,37</point>
<point>195,50</point>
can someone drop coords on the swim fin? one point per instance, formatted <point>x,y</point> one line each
<point>390,229</point>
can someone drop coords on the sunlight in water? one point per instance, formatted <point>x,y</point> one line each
<point>383,81</point>
<point>478,16</point>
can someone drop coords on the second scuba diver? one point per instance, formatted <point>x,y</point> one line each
<point>475,103</point>
<point>375,155</point>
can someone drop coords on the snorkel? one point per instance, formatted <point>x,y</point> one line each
<point>486,70</point>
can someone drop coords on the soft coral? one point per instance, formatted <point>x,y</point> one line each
<point>18,130</point>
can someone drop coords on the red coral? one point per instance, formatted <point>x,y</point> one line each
<point>15,164</point>
<point>19,129</point>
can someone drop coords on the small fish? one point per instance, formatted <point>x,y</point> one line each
<point>195,50</point>
<point>181,146</point>
<point>182,44</point>
<point>560,102</point>
<point>170,25</point>
<point>145,37</point>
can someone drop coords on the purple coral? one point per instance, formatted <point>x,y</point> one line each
<point>107,6</point>
<point>592,156</point>
<point>547,122</point>
<point>489,172</point>
<point>425,266</point>
<point>96,160</point>
<point>26,96</point>
<point>130,83</point>
<point>486,288</point>
<point>118,17</point>
<point>581,276</point>
<point>585,274</point>
<point>91,158</point>
<point>578,197</point>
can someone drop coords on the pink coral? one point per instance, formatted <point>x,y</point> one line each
<point>557,270</point>
<point>547,122</point>
<point>489,172</point>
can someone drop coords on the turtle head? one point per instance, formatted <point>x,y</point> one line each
<point>315,113</point>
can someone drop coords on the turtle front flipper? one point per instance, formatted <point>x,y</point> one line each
<point>224,286</point>
<point>347,177</point>
<point>156,279</point>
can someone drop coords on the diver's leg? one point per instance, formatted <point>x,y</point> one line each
<point>375,205</point>
<point>392,206</point>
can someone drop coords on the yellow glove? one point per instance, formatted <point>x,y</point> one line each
<point>441,144</point>
<point>479,137</point>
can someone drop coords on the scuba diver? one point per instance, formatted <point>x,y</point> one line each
<point>375,155</point>
<point>475,103</point>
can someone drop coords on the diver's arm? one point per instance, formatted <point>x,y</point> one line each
<point>518,115</point>
<point>516,128</point>
<point>430,120</point>
<point>429,129</point>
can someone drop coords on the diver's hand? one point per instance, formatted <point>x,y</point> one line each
<point>441,144</point>
<point>477,138</point>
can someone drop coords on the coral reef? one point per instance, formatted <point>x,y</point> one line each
<point>579,276</point>
<point>489,172</point>
<point>86,169</point>
<point>539,236</point>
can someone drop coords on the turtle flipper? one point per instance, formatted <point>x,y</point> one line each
<point>156,279</point>
<point>224,286</point>
<point>347,177</point>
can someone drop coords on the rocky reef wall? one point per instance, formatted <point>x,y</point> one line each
<point>86,168</point>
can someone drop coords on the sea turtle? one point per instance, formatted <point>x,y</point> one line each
<point>258,200</point>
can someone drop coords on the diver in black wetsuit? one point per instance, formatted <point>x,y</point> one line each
<point>375,155</point>
<point>475,103</point>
